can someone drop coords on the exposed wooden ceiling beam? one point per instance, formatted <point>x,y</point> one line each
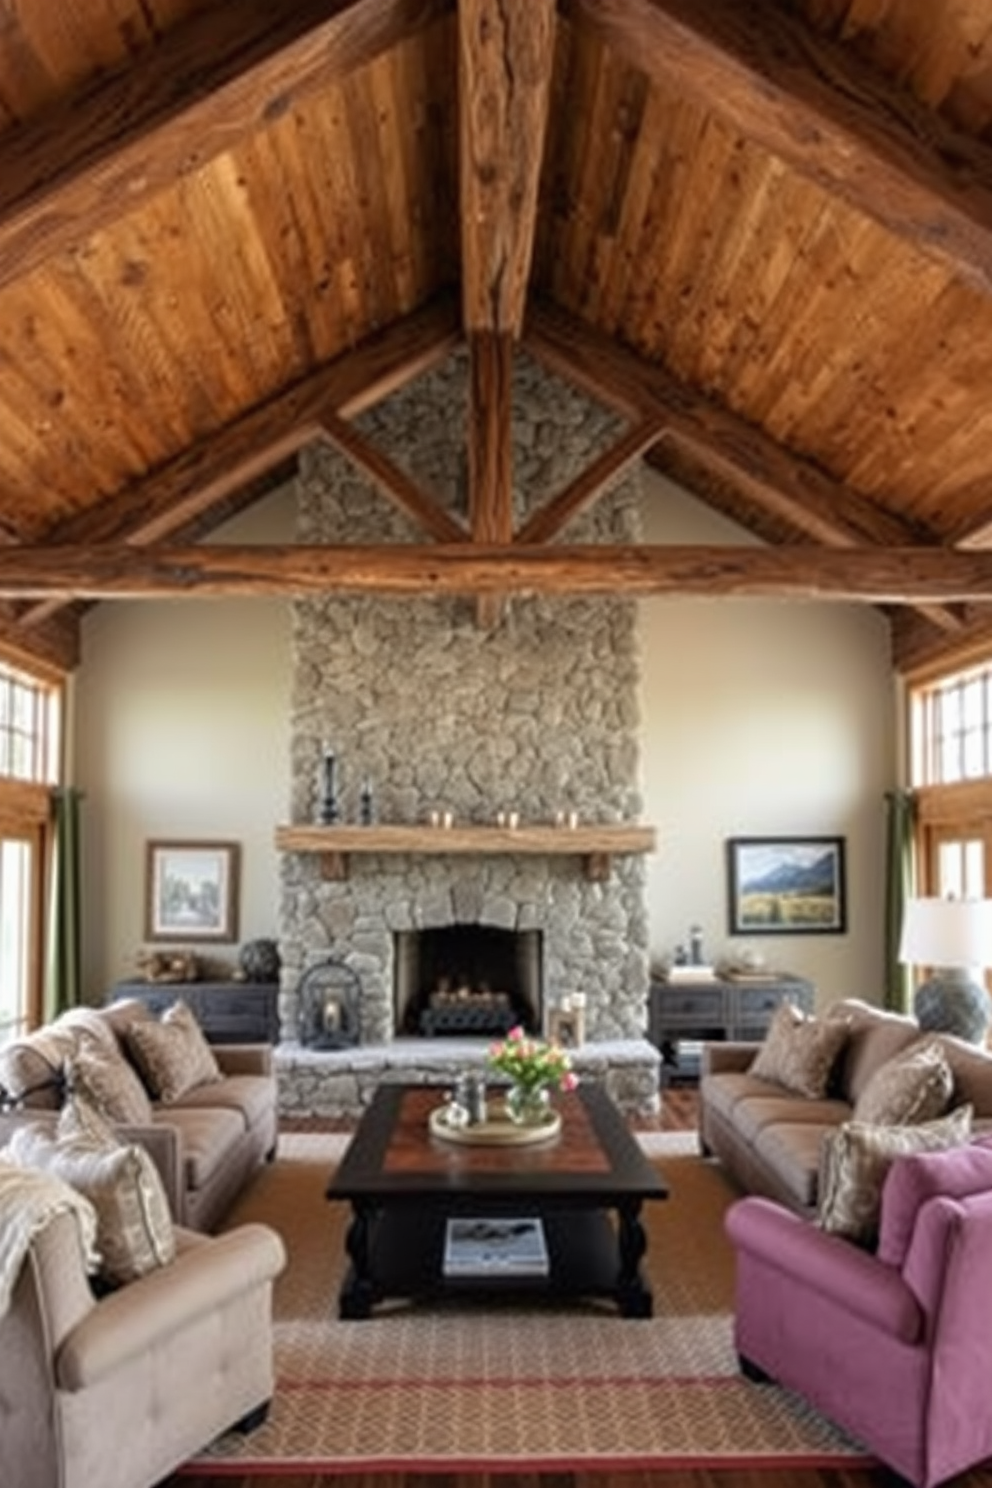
<point>724,492</point>
<point>554,516</point>
<point>210,81</point>
<point>505,59</point>
<point>975,531</point>
<point>205,474</point>
<point>916,646</point>
<point>394,483</point>
<point>814,504</point>
<point>53,643</point>
<point>817,106</point>
<point>881,575</point>
<point>490,448</point>
<point>818,506</point>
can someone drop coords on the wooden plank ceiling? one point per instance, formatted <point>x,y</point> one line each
<point>761,230</point>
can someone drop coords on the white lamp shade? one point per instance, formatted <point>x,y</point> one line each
<point>947,932</point>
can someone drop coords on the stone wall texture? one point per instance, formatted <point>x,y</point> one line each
<point>536,715</point>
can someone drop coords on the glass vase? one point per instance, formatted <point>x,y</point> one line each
<point>528,1105</point>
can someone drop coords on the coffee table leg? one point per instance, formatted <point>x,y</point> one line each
<point>633,1295</point>
<point>357,1292</point>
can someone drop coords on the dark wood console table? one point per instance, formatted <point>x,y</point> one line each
<point>228,1012</point>
<point>685,1013</point>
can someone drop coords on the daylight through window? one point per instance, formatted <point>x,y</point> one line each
<point>951,723</point>
<point>29,726</point>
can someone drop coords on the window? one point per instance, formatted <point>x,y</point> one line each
<point>30,729</point>
<point>20,893</point>
<point>950,739</point>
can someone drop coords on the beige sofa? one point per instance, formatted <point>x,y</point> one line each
<point>769,1139</point>
<point>206,1144</point>
<point>116,1392</point>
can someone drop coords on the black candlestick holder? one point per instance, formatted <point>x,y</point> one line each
<point>329,812</point>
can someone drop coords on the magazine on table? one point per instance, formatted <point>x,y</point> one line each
<point>495,1246</point>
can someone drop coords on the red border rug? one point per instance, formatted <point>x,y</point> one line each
<point>511,1387</point>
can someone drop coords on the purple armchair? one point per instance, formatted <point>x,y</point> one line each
<point>899,1355</point>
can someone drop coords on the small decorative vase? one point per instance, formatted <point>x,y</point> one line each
<point>528,1105</point>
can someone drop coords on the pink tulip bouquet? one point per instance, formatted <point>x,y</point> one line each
<point>532,1064</point>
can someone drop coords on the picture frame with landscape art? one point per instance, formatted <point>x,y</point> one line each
<point>786,885</point>
<point>191,891</point>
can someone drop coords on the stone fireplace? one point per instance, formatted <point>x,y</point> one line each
<point>435,714</point>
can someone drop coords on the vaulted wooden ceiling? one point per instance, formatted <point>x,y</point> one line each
<point>761,230</point>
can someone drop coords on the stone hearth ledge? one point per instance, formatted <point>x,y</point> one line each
<point>339,1083</point>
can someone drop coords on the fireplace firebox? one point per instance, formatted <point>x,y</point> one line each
<point>467,981</point>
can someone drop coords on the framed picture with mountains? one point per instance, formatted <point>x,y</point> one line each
<point>786,885</point>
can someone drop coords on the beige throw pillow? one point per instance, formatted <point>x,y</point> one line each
<point>107,1082</point>
<point>173,1055</point>
<point>134,1232</point>
<point>855,1160</point>
<point>911,1087</point>
<point>800,1051</point>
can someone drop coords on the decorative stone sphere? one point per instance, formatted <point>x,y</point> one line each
<point>953,1005</point>
<point>259,960</point>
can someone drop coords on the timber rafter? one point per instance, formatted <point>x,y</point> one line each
<point>227,73</point>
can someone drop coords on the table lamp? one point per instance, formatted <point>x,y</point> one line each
<point>952,938</point>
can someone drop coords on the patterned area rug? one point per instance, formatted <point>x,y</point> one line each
<point>482,1388</point>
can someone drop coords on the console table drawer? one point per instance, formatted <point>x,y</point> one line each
<point>757,1003</point>
<point>690,1005</point>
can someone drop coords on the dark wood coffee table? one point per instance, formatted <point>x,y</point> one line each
<point>587,1186</point>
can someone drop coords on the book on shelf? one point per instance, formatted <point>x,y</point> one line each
<point>691,973</point>
<point>490,1245</point>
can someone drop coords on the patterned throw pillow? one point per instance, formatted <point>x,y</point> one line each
<point>914,1086</point>
<point>134,1232</point>
<point>800,1051</point>
<point>855,1160</point>
<point>173,1055</point>
<point>107,1082</point>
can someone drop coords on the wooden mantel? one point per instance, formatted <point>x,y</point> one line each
<point>595,843</point>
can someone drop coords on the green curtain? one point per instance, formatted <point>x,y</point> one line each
<point>901,814</point>
<point>63,971</point>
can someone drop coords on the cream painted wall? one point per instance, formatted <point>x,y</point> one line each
<point>181,732</point>
<point>760,719</point>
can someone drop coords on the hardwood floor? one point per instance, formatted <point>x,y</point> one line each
<point>678,1113</point>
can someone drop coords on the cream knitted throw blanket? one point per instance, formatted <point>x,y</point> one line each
<point>29,1199</point>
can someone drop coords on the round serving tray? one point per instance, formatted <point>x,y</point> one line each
<point>496,1131</point>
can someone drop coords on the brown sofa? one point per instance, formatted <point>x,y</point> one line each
<point>769,1139</point>
<point>206,1144</point>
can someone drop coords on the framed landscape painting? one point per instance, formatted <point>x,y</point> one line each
<point>191,891</point>
<point>786,885</point>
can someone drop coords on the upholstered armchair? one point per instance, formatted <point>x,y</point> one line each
<point>895,1347</point>
<point>117,1392</point>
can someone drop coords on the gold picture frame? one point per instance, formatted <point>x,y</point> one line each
<point>191,891</point>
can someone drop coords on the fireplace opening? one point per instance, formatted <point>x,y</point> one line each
<point>467,981</point>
